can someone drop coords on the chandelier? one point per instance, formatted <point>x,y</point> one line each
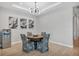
<point>35,10</point>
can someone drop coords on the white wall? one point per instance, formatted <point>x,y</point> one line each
<point>4,22</point>
<point>59,23</point>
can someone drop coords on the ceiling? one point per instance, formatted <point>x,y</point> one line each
<point>26,5</point>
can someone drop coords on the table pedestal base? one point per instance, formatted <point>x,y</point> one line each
<point>35,44</point>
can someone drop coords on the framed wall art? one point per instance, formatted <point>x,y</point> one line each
<point>23,23</point>
<point>30,23</point>
<point>13,22</point>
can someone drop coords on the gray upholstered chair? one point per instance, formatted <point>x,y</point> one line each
<point>39,44</point>
<point>26,44</point>
<point>45,41</point>
<point>43,45</point>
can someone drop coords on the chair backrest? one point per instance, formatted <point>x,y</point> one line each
<point>48,36</point>
<point>43,33</point>
<point>29,33</point>
<point>23,37</point>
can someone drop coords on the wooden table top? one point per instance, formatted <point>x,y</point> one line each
<point>35,38</point>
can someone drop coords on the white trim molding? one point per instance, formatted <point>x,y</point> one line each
<point>58,43</point>
<point>41,11</point>
<point>17,6</point>
<point>51,6</point>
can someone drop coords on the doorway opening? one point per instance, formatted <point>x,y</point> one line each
<point>76,26</point>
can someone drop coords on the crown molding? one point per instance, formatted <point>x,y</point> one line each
<point>51,6</point>
<point>17,6</point>
<point>41,11</point>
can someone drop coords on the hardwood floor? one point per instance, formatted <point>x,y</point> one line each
<point>54,50</point>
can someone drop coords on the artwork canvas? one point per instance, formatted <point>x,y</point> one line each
<point>13,22</point>
<point>23,23</point>
<point>31,23</point>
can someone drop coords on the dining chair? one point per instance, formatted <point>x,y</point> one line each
<point>26,44</point>
<point>43,44</point>
<point>39,44</point>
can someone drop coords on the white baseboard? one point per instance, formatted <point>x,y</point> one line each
<point>15,42</point>
<point>58,43</point>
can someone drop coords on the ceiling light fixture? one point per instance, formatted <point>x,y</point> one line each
<point>35,10</point>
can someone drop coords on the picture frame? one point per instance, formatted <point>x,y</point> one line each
<point>13,22</point>
<point>30,23</point>
<point>23,23</point>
